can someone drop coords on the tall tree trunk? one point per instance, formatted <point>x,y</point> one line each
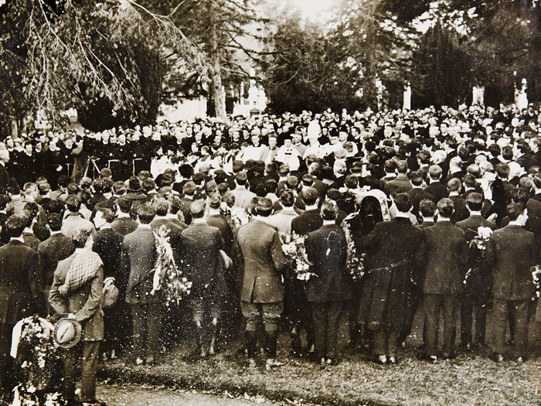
<point>218,96</point>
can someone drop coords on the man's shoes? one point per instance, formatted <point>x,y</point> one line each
<point>381,359</point>
<point>273,363</point>
<point>432,359</point>
<point>448,355</point>
<point>392,360</point>
<point>139,361</point>
<point>520,360</point>
<point>250,363</point>
<point>496,357</point>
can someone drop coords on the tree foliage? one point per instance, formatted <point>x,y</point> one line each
<point>308,71</point>
<point>74,53</point>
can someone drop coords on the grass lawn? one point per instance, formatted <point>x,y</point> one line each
<point>470,379</point>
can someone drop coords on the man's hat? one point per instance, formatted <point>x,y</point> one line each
<point>67,332</point>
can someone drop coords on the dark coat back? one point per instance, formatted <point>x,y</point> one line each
<point>512,251</point>
<point>307,222</point>
<point>327,250</point>
<point>394,253</point>
<point>108,245</point>
<point>201,245</point>
<point>20,283</point>
<point>54,249</point>
<point>446,259</point>
<point>437,191</point>
<point>138,260</point>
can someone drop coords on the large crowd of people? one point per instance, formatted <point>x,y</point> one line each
<point>434,212</point>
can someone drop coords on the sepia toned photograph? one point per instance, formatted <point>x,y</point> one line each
<point>270,202</point>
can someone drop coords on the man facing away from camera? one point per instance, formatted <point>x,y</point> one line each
<point>77,293</point>
<point>262,293</point>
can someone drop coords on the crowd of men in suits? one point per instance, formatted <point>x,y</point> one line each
<point>413,189</point>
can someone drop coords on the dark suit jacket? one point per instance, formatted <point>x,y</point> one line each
<point>54,249</point>
<point>124,225</point>
<point>264,261</point>
<point>202,261</point>
<point>446,259</point>
<point>416,195</point>
<point>138,260</point>
<point>327,249</point>
<point>108,245</point>
<point>20,283</point>
<point>437,191</point>
<point>512,251</point>
<point>307,222</point>
<point>225,230</point>
<point>461,211</point>
<point>480,280</point>
<point>401,184</point>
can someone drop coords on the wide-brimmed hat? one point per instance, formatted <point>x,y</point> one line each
<point>67,332</point>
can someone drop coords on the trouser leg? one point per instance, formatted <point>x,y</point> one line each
<point>499,322</point>
<point>272,313</point>
<point>89,368</point>
<point>319,314</point>
<point>72,357</point>
<point>6,362</point>
<point>432,305</point>
<point>154,326</point>
<point>466,310</point>
<point>379,342</point>
<point>450,304</point>
<point>392,343</point>
<point>333,321</point>
<point>251,313</point>
<point>139,317</point>
<point>520,313</point>
<point>480,314</point>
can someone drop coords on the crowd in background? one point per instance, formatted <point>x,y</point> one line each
<point>409,192</point>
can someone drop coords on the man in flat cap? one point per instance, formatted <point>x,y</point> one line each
<point>77,293</point>
<point>262,292</point>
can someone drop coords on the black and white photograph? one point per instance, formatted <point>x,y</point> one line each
<point>270,202</point>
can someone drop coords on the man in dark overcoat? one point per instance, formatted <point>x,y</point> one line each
<point>54,249</point>
<point>394,250</point>
<point>138,261</point>
<point>300,311</point>
<point>513,251</point>
<point>204,268</point>
<point>446,261</point>
<point>330,287</point>
<point>20,291</point>
<point>478,285</point>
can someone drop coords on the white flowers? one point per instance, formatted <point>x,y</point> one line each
<point>484,232</point>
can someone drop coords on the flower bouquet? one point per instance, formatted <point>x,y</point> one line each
<point>536,279</point>
<point>478,247</point>
<point>239,217</point>
<point>354,260</point>
<point>295,251</point>
<point>168,278</point>
<point>36,358</point>
<point>480,241</point>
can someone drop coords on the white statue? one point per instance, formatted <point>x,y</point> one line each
<point>407,97</point>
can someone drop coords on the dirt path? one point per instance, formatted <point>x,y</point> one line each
<point>156,396</point>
